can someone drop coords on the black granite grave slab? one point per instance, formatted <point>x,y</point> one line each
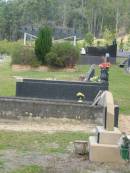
<point>65,90</point>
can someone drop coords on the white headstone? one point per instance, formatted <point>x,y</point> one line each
<point>82,52</point>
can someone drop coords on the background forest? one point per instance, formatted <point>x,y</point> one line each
<point>82,16</point>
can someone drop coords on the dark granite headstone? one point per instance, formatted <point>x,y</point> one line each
<point>90,73</point>
<point>129,61</point>
<point>116,115</point>
<point>122,64</point>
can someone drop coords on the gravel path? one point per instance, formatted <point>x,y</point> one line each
<point>124,123</point>
<point>46,125</point>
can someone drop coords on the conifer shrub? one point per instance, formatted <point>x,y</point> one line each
<point>43,44</point>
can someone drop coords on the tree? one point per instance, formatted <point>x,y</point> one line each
<point>108,36</point>
<point>89,39</point>
<point>43,44</point>
<point>82,15</point>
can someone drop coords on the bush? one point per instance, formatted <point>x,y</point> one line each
<point>43,44</point>
<point>25,56</point>
<point>7,47</point>
<point>89,39</point>
<point>62,55</point>
<point>53,60</point>
<point>108,36</point>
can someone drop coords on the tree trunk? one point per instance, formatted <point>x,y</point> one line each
<point>117,21</point>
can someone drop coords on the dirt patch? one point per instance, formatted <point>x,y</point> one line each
<point>54,124</point>
<point>124,123</point>
<point>17,67</point>
<point>60,163</point>
<point>46,125</point>
<point>55,163</point>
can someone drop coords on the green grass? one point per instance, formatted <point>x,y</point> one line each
<point>8,82</point>
<point>29,169</point>
<point>119,81</point>
<point>39,142</point>
<point>120,87</point>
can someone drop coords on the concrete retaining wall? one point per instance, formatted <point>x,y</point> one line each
<point>15,107</point>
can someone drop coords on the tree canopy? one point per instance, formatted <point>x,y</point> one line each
<point>94,16</point>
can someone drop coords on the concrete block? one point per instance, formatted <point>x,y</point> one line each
<point>103,152</point>
<point>108,137</point>
<point>19,79</point>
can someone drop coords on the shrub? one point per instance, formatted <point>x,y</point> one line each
<point>43,44</point>
<point>25,56</point>
<point>7,47</point>
<point>108,36</point>
<point>62,55</point>
<point>89,39</point>
<point>53,60</point>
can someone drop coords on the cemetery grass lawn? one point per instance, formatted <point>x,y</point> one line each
<point>45,143</point>
<point>119,81</point>
<point>29,169</point>
<point>120,87</point>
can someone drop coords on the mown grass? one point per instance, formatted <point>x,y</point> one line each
<point>120,87</point>
<point>38,141</point>
<point>8,81</point>
<point>119,81</point>
<point>29,169</point>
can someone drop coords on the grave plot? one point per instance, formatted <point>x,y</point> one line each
<point>61,90</point>
<point>94,54</point>
<point>57,99</point>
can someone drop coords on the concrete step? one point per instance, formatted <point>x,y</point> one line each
<point>103,152</point>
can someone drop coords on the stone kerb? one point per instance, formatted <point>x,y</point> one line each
<point>19,107</point>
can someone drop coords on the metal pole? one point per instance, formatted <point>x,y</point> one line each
<point>25,36</point>
<point>75,40</point>
<point>82,11</point>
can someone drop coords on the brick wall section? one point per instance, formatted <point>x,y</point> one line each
<point>16,107</point>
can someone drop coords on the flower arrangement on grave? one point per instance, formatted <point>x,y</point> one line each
<point>80,96</point>
<point>104,71</point>
<point>106,65</point>
<point>95,79</point>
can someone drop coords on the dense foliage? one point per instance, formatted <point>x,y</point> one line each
<point>7,47</point>
<point>43,44</point>
<point>24,56</point>
<point>85,15</point>
<point>62,55</point>
<point>89,39</point>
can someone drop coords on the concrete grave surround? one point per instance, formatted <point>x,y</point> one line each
<point>108,137</point>
<point>108,102</point>
<point>18,107</point>
<point>103,152</point>
<point>103,147</point>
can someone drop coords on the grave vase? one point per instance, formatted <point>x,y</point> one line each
<point>104,74</point>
